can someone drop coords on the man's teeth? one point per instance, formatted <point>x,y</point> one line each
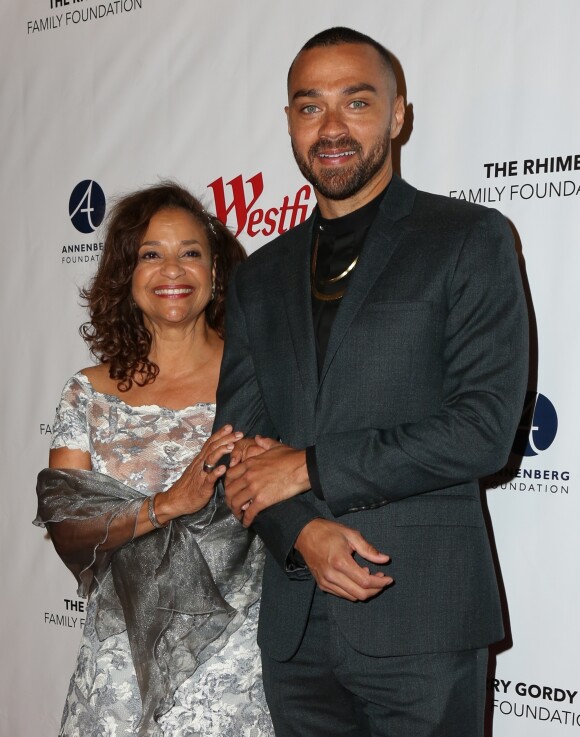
<point>336,156</point>
<point>171,292</point>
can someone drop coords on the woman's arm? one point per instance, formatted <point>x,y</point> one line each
<point>190,493</point>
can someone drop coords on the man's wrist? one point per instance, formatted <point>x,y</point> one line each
<point>312,470</point>
<point>301,476</point>
<point>295,559</point>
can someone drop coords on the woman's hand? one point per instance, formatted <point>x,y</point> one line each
<point>194,489</point>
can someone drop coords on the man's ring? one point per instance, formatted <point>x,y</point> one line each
<point>207,467</point>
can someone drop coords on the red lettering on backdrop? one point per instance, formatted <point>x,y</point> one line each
<point>259,222</point>
<point>241,207</point>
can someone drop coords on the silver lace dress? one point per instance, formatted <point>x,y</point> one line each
<point>148,448</point>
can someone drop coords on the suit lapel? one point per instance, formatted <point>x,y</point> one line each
<point>295,281</point>
<point>378,248</point>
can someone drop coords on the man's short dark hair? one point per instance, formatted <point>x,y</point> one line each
<point>342,35</point>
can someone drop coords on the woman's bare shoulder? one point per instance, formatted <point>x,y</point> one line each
<point>100,379</point>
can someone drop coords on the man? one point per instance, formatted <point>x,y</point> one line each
<point>383,344</point>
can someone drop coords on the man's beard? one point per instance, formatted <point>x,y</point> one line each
<point>343,182</point>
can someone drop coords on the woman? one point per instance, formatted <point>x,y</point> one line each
<point>173,580</point>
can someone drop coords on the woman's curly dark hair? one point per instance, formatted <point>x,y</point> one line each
<point>115,333</point>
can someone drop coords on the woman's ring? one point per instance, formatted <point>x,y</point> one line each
<point>207,467</point>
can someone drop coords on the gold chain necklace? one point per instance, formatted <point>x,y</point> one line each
<point>332,280</point>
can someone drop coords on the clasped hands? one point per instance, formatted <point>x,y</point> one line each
<point>264,472</point>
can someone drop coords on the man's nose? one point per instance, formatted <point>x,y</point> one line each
<point>333,125</point>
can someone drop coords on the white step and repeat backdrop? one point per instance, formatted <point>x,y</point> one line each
<point>98,98</point>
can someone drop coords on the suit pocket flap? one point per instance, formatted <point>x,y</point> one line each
<point>442,511</point>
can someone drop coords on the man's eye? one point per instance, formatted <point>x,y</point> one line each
<point>358,104</point>
<point>309,109</point>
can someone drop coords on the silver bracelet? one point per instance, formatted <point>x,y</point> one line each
<point>151,513</point>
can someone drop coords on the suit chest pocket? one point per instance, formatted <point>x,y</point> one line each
<point>388,365</point>
<point>400,328</point>
<point>398,307</point>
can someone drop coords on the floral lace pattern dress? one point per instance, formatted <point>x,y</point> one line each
<point>148,448</point>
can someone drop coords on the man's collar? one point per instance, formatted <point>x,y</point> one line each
<point>354,221</point>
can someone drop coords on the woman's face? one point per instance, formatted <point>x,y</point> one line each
<point>172,281</point>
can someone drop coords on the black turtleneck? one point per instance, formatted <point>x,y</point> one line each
<point>336,244</point>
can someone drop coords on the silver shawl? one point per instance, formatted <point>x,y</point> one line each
<point>179,591</point>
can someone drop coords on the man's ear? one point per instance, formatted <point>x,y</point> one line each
<point>398,116</point>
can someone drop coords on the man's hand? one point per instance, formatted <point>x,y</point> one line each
<point>270,473</point>
<point>328,548</point>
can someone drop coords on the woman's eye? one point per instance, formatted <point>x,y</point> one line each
<point>148,255</point>
<point>191,254</point>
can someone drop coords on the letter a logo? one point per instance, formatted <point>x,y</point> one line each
<point>239,204</point>
<point>86,206</point>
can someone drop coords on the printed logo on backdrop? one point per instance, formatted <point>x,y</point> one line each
<point>535,435</point>
<point>238,204</point>
<point>537,178</point>
<point>86,209</point>
<point>72,615</point>
<point>66,13</point>
<point>554,705</point>
<point>86,206</point>
<point>538,426</point>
